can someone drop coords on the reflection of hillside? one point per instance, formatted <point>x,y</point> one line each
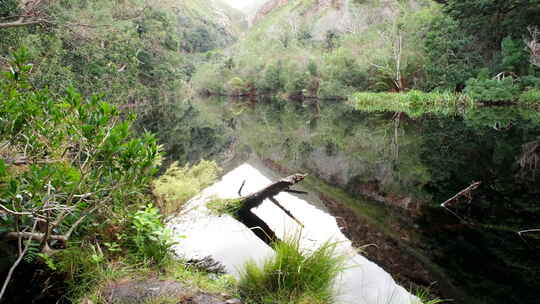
<point>416,164</point>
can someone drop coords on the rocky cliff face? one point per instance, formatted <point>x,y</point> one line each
<point>268,7</point>
<point>321,16</point>
<point>272,5</point>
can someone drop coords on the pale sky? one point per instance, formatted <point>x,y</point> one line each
<point>240,4</point>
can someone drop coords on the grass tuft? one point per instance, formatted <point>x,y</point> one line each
<point>293,275</point>
<point>225,206</point>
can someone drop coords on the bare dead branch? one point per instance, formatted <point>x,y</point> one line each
<point>464,192</point>
<point>241,187</point>
<point>534,45</point>
<point>19,259</point>
<point>467,192</point>
<point>522,232</point>
<point>38,236</point>
<point>22,23</point>
<point>295,191</point>
<point>275,201</point>
<point>7,210</point>
<point>252,221</point>
<point>528,231</point>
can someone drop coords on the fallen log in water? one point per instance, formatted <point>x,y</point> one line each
<point>252,221</point>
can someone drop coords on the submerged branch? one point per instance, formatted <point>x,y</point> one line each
<point>467,192</point>
<point>252,221</point>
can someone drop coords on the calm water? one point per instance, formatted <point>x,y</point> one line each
<point>397,172</point>
<point>233,244</point>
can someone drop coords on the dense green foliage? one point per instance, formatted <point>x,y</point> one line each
<point>494,20</point>
<point>151,239</point>
<point>294,275</point>
<point>71,158</point>
<point>139,54</point>
<point>76,164</point>
<point>424,46</point>
<point>481,39</point>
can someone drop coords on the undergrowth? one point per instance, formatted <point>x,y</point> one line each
<point>180,183</point>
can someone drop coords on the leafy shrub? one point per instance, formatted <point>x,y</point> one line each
<point>237,86</point>
<point>451,57</point>
<point>492,90</point>
<point>179,184</point>
<point>312,68</point>
<point>529,82</point>
<point>514,55</point>
<point>69,160</point>
<point>333,89</point>
<point>151,239</point>
<point>297,81</point>
<point>9,8</point>
<point>274,79</point>
<point>293,275</point>
<point>530,97</point>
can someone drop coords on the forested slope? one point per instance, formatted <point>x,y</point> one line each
<point>135,52</point>
<point>330,49</point>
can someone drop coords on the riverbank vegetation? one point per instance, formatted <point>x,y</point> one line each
<point>73,177</point>
<point>413,103</point>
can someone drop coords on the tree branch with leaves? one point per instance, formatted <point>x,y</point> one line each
<point>64,163</point>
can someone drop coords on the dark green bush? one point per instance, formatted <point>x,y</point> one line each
<point>492,90</point>
<point>450,54</point>
<point>274,79</point>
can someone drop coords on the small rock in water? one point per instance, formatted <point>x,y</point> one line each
<point>233,301</point>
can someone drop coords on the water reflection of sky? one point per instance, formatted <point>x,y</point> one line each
<point>232,244</point>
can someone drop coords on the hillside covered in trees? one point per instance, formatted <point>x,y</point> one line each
<point>331,49</point>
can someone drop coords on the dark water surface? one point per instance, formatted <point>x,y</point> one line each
<point>406,168</point>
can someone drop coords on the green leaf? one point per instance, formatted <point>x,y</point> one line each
<point>3,168</point>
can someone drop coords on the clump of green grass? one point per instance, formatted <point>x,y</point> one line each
<point>414,103</point>
<point>225,206</point>
<point>293,275</point>
<point>425,297</point>
<point>180,183</point>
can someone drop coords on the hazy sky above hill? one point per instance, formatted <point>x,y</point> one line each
<point>239,4</point>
